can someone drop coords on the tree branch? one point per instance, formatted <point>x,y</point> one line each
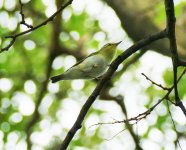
<point>51,18</point>
<point>23,16</point>
<point>159,85</point>
<point>170,29</point>
<point>128,125</point>
<point>114,65</point>
<point>147,112</point>
<point>169,7</point>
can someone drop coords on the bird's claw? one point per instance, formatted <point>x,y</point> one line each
<point>95,65</point>
<point>99,78</point>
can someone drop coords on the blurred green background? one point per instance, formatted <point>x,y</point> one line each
<point>36,114</point>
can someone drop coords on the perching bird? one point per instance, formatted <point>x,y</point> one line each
<point>93,66</point>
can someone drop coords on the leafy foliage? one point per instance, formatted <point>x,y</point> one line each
<point>23,74</point>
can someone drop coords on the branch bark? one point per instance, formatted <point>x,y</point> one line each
<point>170,29</point>
<point>51,18</point>
<point>114,65</point>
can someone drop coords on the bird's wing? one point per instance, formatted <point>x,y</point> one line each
<point>79,62</point>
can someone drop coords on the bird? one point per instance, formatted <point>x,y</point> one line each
<point>91,67</point>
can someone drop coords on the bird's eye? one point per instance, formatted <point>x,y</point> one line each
<point>108,44</point>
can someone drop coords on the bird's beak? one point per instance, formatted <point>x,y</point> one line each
<point>118,43</point>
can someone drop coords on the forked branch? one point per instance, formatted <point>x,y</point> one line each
<point>113,67</point>
<point>51,18</point>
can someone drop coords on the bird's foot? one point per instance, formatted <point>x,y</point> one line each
<point>99,78</point>
<point>95,65</point>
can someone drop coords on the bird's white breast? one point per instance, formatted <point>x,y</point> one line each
<point>95,65</point>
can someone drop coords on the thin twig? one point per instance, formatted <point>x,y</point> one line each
<point>113,67</point>
<point>174,125</point>
<point>159,85</point>
<point>121,132</point>
<point>51,18</point>
<point>120,101</point>
<point>116,134</point>
<point>147,112</point>
<point>136,118</point>
<point>23,16</point>
<point>104,95</point>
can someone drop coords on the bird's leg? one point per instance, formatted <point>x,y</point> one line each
<point>108,65</point>
<point>88,72</point>
<point>99,78</point>
<point>95,66</point>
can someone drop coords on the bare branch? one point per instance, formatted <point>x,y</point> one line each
<point>77,125</point>
<point>169,7</point>
<point>23,16</point>
<point>14,37</point>
<point>159,85</point>
<point>174,125</point>
<point>121,103</point>
<point>147,112</point>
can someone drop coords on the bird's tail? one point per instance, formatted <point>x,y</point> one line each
<point>56,78</point>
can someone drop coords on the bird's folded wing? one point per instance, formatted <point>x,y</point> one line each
<point>79,62</point>
<point>88,65</point>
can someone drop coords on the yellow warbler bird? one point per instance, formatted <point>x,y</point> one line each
<point>93,66</point>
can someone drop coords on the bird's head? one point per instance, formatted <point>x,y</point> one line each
<point>109,46</point>
<point>109,50</point>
